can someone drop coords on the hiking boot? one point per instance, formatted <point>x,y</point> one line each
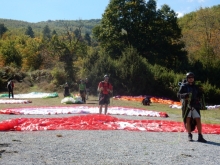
<point>201,139</point>
<point>190,136</point>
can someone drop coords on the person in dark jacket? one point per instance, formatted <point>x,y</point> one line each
<point>190,95</point>
<point>10,86</point>
<point>66,91</point>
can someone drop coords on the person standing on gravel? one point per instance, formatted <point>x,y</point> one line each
<point>191,94</point>
<point>105,89</point>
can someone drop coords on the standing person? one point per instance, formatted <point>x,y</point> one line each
<point>10,86</point>
<point>105,88</point>
<point>82,91</point>
<point>191,94</point>
<point>87,88</point>
<point>66,91</point>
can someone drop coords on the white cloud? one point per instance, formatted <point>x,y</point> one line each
<point>201,1</point>
<point>179,14</point>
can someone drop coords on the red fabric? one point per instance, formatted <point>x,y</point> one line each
<point>106,86</point>
<point>98,122</point>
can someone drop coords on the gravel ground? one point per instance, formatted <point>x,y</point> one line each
<point>117,147</point>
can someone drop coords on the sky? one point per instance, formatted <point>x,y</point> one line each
<point>34,11</point>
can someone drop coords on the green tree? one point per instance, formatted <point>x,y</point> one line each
<point>10,54</point>
<point>54,32</point>
<point>134,23</point>
<point>125,23</point>
<point>46,32</point>
<point>68,48</point>
<point>87,38</point>
<point>3,29</point>
<point>29,32</point>
<point>167,44</point>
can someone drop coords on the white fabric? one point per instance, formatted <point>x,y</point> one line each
<point>81,109</point>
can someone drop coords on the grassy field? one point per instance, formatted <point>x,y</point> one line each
<point>208,116</point>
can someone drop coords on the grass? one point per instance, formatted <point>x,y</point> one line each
<point>208,116</point>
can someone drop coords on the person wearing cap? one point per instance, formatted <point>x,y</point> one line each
<point>82,91</point>
<point>191,94</point>
<point>105,89</point>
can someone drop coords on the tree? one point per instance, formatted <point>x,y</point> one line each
<point>68,47</point>
<point>54,32</point>
<point>10,54</point>
<point>87,38</point>
<point>29,32</point>
<point>124,25</point>
<point>137,24</point>
<point>3,29</point>
<point>46,32</point>
<point>201,35</point>
<point>167,43</point>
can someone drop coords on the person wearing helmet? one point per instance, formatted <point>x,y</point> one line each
<point>105,89</point>
<point>191,94</point>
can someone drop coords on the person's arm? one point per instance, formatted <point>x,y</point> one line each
<point>100,88</point>
<point>182,94</point>
<point>110,88</point>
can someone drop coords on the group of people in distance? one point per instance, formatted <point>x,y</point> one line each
<point>104,88</point>
<point>84,88</point>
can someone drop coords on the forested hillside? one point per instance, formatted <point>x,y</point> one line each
<point>57,25</point>
<point>145,50</point>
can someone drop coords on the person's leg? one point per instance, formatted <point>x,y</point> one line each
<point>100,103</point>
<point>106,108</point>
<point>199,128</point>
<point>12,93</point>
<point>9,94</point>
<point>84,97</point>
<point>87,94</point>
<point>199,125</point>
<point>188,127</point>
<point>100,109</point>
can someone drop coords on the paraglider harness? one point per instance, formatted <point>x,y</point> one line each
<point>146,101</point>
<point>202,101</point>
<point>187,109</point>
